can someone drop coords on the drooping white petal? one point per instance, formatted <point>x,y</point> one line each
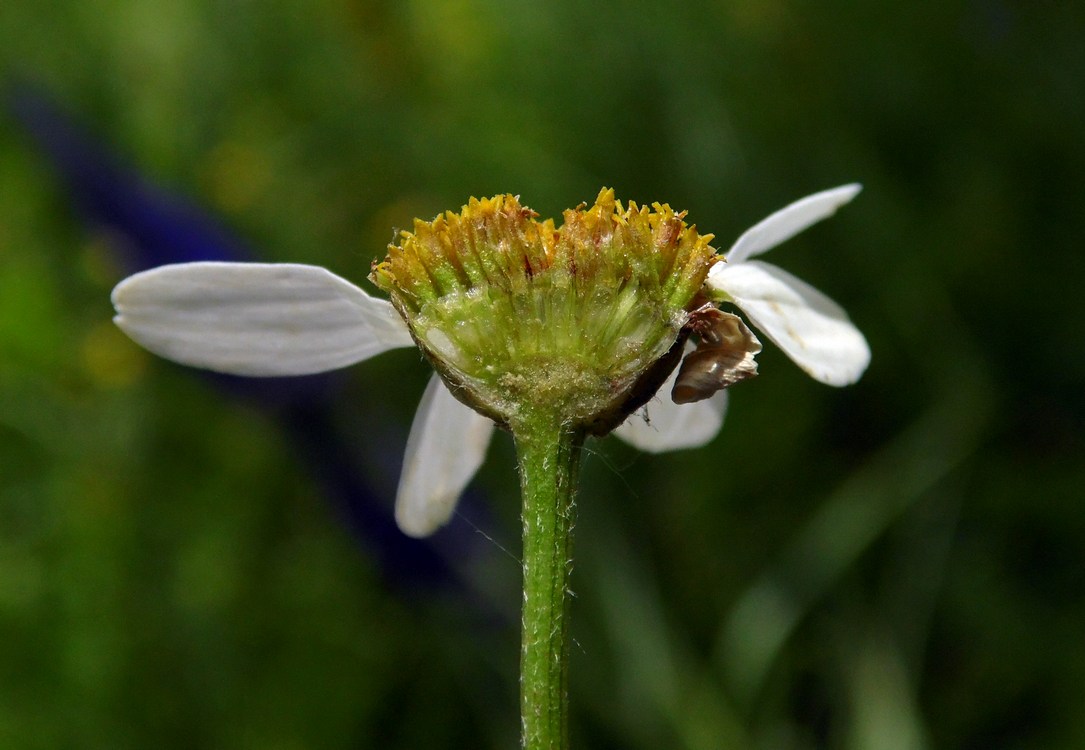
<point>789,221</point>
<point>446,446</point>
<point>671,426</point>
<point>811,329</point>
<point>255,318</point>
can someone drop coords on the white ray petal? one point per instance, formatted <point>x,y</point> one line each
<point>446,446</point>
<point>811,329</point>
<point>671,426</point>
<point>789,221</point>
<point>255,318</point>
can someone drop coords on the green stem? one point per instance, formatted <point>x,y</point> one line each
<point>549,455</point>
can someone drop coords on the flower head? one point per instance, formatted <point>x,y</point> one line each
<point>588,319</point>
<point>519,315</point>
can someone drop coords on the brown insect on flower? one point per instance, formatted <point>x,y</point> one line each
<point>724,355</point>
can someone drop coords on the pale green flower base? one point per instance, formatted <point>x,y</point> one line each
<point>549,456</point>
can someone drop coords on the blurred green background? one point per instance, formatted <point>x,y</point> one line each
<point>900,564</point>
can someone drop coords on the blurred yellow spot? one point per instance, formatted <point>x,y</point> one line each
<point>458,35</point>
<point>109,358</point>
<point>237,175</point>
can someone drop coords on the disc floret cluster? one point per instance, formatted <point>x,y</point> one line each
<point>516,312</point>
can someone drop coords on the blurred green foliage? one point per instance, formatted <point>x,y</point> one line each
<point>900,564</point>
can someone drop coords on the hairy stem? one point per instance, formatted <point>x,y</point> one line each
<point>549,456</point>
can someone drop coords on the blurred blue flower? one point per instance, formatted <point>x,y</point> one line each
<point>156,228</point>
